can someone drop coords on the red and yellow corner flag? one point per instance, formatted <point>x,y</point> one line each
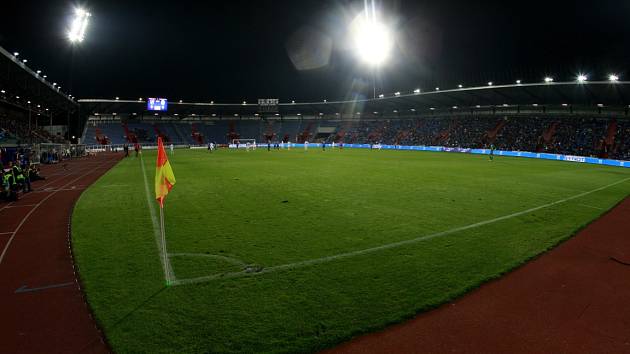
<point>164,177</point>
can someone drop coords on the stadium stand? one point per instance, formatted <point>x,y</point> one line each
<point>585,136</point>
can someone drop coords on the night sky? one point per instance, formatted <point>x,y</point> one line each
<point>228,51</point>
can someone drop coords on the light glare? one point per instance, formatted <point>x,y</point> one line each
<point>79,26</point>
<point>372,39</point>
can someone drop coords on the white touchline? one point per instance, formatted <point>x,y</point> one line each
<point>386,246</point>
<point>168,270</point>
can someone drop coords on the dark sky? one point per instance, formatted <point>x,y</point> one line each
<point>228,51</point>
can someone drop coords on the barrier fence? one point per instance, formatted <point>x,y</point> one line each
<point>533,155</point>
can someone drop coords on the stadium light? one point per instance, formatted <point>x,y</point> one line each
<point>582,78</point>
<point>3,91</point>
<point>460,86</point>
<point>16,54</point>
<point>372,39</point>
<point>518,82</point>
<point>381,96</point>
<point>292,101</point>
<point>437,89</point>
<point>39,72</point>
<point>613,78</point>
<point>44,76</point>
<point>117,98</point>
<point>396,93</point>
<point>416,91</point>
<point>548,79</point>
<point>490,83</point>
<point>25,61</point>
<point>76,34</point>
<point>54,84</point>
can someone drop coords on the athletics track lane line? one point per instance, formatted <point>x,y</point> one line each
<point>6,247</point>
<point>49,182</point>
<point>387,246</point>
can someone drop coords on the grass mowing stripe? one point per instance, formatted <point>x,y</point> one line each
<point>166,264</point>
<point>389,245</point>
<point>269,209</point>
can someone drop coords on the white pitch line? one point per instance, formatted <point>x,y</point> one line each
<point>386,246</point>
<point>169,276</point>
<point>592,207</point>
<point>227,259</point>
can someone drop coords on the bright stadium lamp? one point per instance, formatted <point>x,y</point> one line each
<point>518,82</point>
<point>78,27</point>
<point>416,91</point>
<point>548,79</point>
<point>613,78</point>
<point>16,54</point>
<point>582,78</point>
<point>371,38</point>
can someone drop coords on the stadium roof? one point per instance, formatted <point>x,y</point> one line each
<point>552,97</point>
<point>18,80</point>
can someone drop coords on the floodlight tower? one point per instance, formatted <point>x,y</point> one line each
<point>76,35</point>
<point>372,39</point>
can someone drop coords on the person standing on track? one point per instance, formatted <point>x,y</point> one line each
<point>491,152</point>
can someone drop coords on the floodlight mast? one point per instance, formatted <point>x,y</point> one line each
<point>79,26</point>
<point>76,35</point>
<point>371,38</point>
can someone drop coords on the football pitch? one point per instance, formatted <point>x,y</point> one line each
<point>296,251</point>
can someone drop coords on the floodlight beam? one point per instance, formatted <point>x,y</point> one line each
<point>79,25</point>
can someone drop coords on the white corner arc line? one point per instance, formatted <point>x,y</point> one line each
<point>169,276</point>
<point>327,259</point>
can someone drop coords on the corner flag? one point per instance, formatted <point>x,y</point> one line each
<point>164,177</point>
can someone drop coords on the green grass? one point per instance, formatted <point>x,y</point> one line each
<point>275,208</point>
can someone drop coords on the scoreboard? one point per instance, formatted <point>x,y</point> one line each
<point>157,104</point>
<point>268,105</point>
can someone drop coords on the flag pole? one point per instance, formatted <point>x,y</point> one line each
<point>165,253</point>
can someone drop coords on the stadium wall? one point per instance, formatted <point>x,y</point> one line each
<point>533,155</point>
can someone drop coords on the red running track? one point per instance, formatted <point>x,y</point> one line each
<point>42,308</point>
<point>573,299</point>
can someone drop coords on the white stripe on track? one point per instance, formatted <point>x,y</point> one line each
<point>388,246</point>
<point>6,247</point>
<point>169,276</point>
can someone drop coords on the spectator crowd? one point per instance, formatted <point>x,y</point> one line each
<point>597,137</point>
